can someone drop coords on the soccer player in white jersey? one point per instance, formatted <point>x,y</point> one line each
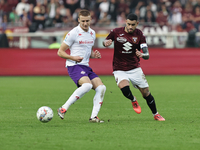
<point>80,41</point>
<point>128,41</point>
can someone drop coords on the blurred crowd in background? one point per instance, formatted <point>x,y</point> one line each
<point>182,15</point>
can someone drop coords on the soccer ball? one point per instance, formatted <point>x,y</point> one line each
<point>44,114</point>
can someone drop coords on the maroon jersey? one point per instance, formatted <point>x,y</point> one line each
<point>125,45</point>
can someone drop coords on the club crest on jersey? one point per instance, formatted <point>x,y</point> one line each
<point>121,39</point>
<point>134,39</point>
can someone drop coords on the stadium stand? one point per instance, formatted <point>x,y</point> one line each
<point>177,15</point>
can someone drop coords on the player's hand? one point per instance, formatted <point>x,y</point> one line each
<point>107,42</point>
<point>138,53</point>
<point>77,58</point>
<point>97,54</point>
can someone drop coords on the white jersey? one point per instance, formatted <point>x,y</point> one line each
<point>80,44</point>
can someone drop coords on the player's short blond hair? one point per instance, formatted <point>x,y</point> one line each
<point>84,12</point>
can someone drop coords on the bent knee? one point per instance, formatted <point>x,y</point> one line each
<point>101,89</point>
<point>145,92</point>
<point>87,86</point>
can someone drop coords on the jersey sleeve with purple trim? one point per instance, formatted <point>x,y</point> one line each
<point>125,45</point>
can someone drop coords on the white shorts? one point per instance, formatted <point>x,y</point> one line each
<point>136,76</point>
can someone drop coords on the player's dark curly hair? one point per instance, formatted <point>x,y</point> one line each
<point>132,17</point>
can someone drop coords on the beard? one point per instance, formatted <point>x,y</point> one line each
<point>129,30</point>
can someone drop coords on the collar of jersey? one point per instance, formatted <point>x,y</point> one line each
<point>81,30</point>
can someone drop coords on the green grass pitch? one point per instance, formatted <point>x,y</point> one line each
<point>177,99</point>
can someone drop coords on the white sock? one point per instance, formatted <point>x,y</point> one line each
<point>98,100</point>
<point>155,114</point>
<point>134,99</point>
<point>78,93</point>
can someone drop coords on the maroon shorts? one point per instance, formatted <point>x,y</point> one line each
<point>78,71</point>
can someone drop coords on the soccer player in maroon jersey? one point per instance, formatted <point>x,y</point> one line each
<point>128,41</point>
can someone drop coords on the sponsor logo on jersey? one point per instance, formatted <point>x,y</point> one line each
<point>121,34</point>
<point>134,39</point>
<point>86,42</point>
<point>127,47</point>
<point>121,39</point>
